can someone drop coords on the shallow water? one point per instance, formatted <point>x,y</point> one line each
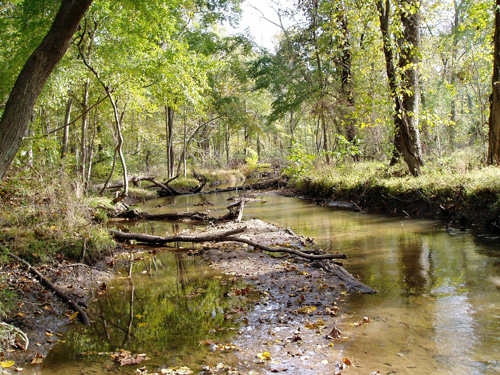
<point>435,313</point>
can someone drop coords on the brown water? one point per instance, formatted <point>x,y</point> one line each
<point>436,312</point>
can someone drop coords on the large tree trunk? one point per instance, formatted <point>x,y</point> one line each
<point>119,146</point>
<point>83,141</point>
<point>33,76</point>
<point>410,86</point>
<point>347,91</point>
<point>494,121</point>
<point>405,89</point>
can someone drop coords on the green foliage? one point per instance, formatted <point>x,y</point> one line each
<point>343,149</point>
<point>300,163</point>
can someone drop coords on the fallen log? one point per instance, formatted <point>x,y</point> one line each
<point>167,190</point>
<point>139,215</point>
<point>44,281</point>
<point>157,240</point>
<point>235,213</point>
<point>202,180</point>
<point>220,237</point>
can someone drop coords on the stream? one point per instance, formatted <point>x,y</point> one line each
<point>436,311</point>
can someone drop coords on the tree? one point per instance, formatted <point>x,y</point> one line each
<point>404,79</point>
<point>494,121</point>
<point>36,71</point>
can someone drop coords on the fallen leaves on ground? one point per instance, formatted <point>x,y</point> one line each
<point>335,333</point>
<point>315,325</point>
<point>220,368</point>
<point>365,320</point>
<point>216,346</point>
<point>37,359</point>
<point>347,361</point>
<point>306,310</point>
<point>183,370</point>
<point>266,356</point>
<point>124,358</point>
<point>7,364</point>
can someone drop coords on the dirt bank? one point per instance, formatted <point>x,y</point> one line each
<point>454,207</point>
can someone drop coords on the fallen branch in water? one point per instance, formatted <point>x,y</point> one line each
<point>220,237</point>
<point>286,250</point>
<point>44,281</point>
<point>157,240</point>
<point>140,215</point>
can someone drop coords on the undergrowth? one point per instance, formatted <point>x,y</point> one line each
<point>49,216</point>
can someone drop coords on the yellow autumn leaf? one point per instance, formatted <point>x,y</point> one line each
<point>306,309</point>
<point>266,356</point>
<point>73,316</point>
<point>7,364</point>
<point>142,325</point>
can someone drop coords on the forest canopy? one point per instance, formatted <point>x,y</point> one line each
<point>163,85</point>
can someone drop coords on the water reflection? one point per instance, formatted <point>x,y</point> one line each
<point>436,312</point>
<point>170,304</point>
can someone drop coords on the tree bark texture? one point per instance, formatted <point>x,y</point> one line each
<point>33,76</point>
<point>410,86</point>
<point>347,91</point>
<point>83,141</point>
<point>494,120</point>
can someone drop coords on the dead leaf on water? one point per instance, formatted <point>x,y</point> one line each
<point>335,333</point>
<point>347,361</point>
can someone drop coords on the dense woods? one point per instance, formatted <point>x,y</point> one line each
<point>163,85</point>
